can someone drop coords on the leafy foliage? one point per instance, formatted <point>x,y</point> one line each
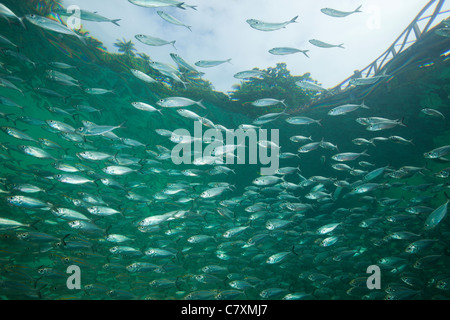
<point>126,47</point>
<point>278,84</point>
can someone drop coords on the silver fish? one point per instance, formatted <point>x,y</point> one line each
<point>436,216</point>
<point>302,121</point>
<point>52,25</point>
<point>267,102</point>
<point>178,102</point>
<point>172,19</point>
<point>309,86</point>
<point>7,224</point>
<point>277,257</point>
<point>98,91</point>
<point>183,64</point>
<point>145,107</point>
<point>269,26</point>
<point>153,41</point>
<point>142,76</point>
<point>36,152</point>
<point>438,152</point>
<point>337,13</point>
<point>97,130</point>
<point>13,132</point>
<point>27,202</point>
<point>7,13</point>
<point>211,63</point>
<point>89,16</point>
<point>281,51</point>
<point>161,3</point>
<point>118,170</point>
<point>72,179</point>
<point>348,156</point>
<point>433,113</point>
<point>249,74</point>
<point>344,109</point>
<point>322,44</point>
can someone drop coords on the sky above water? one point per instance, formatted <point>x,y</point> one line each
<point>220,32</point>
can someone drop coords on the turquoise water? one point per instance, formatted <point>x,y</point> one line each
<point>192,257</point>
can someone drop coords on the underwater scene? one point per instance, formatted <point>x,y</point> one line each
<point>127,178</point>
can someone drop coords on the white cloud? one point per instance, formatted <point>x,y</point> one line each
<point>220,31</point>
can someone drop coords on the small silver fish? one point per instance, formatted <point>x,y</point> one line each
<point>281,51</point>
<point>172,19</point>
<point>436,216</point>
<point>142,76</point>
<point>153,41</point>
<point>309,86</point>
<point>269,26</point>
<point>52,25</point>
<point>178,102</point>
<point>36,152</point>
<point>322,44</point>
<point>211,63</point>
<point>337,13</point>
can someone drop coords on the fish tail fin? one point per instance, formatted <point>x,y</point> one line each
<point>32,225</point>
<point>305,53</point>
<point>200,104</point>
<point>121,125</point>
<point>82,39</point>
<point>229,61</point>
<point>293,20</point>
<point>401,123</point>
<point>341,46</point>
<point>446,195</point>
<point>357,9</point>
<point>319,122</point>
<point>365,153</point>
<point>173,44</point>
<point>9,118</point>
<point>189,27</point>
<point>180,5</point>
<point>192,7</point>
<point>21,22</point>
<point>115,21</point>
<point>364,106</point>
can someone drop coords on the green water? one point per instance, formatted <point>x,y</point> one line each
<point>36,268</point>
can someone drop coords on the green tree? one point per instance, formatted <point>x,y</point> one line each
<point>125,47</point>
<point>277,84</point>
<point>45,7</point>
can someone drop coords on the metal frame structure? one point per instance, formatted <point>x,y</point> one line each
<point>378,64</point>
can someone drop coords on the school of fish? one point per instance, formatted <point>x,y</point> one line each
<point>79,186</point>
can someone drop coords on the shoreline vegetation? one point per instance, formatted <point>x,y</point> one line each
<point>278,84</point>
